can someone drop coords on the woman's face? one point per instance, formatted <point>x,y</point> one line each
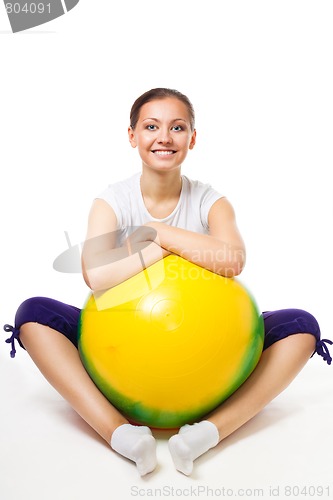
<point>163,134</point>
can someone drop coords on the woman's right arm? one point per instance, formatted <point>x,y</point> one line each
<point>103,264</point>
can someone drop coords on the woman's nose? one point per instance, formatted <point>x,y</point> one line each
<point>164,136</point>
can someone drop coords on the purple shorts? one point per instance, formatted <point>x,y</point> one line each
<point>64,318</point>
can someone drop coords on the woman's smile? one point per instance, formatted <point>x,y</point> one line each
<point>163,133</point>
<point>163,152</point>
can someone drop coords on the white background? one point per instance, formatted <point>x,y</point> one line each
<point>260,76</point>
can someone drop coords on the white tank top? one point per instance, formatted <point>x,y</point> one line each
<point>191,211</point>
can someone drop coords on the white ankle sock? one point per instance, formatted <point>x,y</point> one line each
<point>136,443</point>
<point>191,442</point>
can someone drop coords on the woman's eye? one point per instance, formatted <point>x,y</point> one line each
<point>177,128</point>
<point>151,127</point>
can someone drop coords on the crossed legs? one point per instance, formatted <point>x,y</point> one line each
<point>59,361</point>
<point>278,366</point>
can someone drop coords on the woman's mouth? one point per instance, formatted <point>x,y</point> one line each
<point>163,152</point>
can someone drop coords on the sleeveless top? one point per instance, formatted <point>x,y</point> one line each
<point>191,211</point>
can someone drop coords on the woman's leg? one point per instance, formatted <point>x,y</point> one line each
<point>277,367</point>
<point>58,360</point>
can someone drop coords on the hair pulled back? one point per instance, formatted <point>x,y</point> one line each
<point>160,93</point>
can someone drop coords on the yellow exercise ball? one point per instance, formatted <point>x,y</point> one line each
<point>170,344</point>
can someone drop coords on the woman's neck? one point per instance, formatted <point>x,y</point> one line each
<point>159,187</point>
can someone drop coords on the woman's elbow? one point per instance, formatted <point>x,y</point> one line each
<point>238,265</point>
<point>92,278</point>
<point>232,270</point>
<point>234,266</point>
<point>237,269</point>
<point>87,279</point>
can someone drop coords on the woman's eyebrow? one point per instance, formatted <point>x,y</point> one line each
<point>157,120</point>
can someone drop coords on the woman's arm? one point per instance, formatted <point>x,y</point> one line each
<point>222,251</point>
<point>103,264</point>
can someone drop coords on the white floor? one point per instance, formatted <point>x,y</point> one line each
<point>48,453</point>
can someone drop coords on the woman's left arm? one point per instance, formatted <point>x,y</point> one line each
<point>221,251</point>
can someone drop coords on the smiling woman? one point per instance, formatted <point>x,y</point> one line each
<point>132,225</point>
<point>163,133</point>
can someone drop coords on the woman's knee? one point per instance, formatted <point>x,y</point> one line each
<point>27,317</point>
<point>27,330</point>
<point>306,342</point>
<point>29,311</point>
<point>308,323</point>
<point>39,315</point>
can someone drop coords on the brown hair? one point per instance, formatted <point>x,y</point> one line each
<point>160,93</point>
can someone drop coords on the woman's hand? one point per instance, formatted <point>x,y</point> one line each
<point>143,234</point>
<point>222,251</point>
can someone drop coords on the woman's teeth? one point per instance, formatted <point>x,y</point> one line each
<point>163,153</point>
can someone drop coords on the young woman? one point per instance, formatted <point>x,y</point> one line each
<point>174,215</point>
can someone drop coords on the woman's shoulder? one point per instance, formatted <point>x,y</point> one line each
<point>198,187</point>
<point>120,195</point>
<point>124,185</point>
<point>121,189</point>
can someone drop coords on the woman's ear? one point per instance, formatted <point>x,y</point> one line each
<point>131,137</point>
<point>193,139</point>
